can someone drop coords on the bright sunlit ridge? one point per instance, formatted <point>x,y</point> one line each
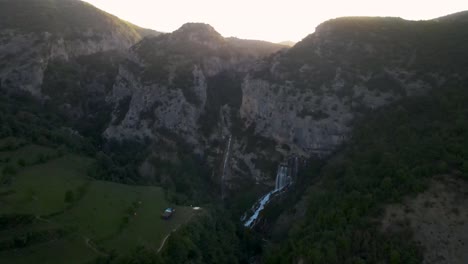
<point>267,19</point>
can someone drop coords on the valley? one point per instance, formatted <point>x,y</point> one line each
<point>66,211</point>
<point>349,146</point>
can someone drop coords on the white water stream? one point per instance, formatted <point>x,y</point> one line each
<point>225,162</point>
<point>282,180</point>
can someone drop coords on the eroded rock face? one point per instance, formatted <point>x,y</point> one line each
<point>25,57</point>
<point>165,92</point>
<point>24,60</point>
<point>36,33</point>
<point>304,121</point>
<point>142,110</point>
<point>309,96</point>
<point>196,88</point>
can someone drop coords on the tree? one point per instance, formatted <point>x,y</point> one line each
<point>21,162</point>
<point>9,170</point>
<point>69,197</point>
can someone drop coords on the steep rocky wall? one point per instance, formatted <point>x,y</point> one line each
<point>309,96</point>
<point>153,107</point>
<point>194,87</point>
<point>25,56</point>
<point>299,101</point>
<point>315,121</point>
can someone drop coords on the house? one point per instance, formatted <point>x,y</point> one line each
<point>168,213</point>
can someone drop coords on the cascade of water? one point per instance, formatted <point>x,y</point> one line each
<point>225,162</point>
<point>226,155</point>
<point>282,180</point>
<point>261,205</point>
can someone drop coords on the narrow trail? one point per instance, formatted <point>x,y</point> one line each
<point>175,229</point>
<point>165,239</point>
<point>97,251</point>
<point>39,218</point>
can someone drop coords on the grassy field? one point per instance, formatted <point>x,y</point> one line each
<point>72,218</point>
<point>40,189</point>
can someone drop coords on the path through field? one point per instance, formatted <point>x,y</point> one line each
<point>90,245</point>
<point>175,229</point>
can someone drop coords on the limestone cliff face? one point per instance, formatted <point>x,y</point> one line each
<point>193,89</point>
<point>25,56</point>
<point>178,88</point>
<point>196,87</point>
<point>34,33</point>
<point>184,87</point>
<point>142,110</point>
<point>308,96</point>
<point>23,61</point>
<point>302,120</point>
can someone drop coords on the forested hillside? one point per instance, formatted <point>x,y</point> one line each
<point>66,17</point>
<point>333,145</point>
<point>55,208</point>
<point>393,153</point>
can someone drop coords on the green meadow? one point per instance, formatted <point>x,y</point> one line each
<point>52,212</point>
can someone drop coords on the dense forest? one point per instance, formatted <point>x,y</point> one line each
<point>393,153</point>
<point>123,145</point>
<point>25,121</point>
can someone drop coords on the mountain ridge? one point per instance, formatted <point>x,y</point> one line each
<point>65,17</point>
<point>208,114</point>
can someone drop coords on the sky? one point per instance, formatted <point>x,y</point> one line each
<point>270,20</point>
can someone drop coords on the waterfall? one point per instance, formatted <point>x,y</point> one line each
<point>282,180</point>
<point>225,162</point>
<point>261,205</point>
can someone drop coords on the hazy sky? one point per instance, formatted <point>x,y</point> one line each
<point>270,20</point>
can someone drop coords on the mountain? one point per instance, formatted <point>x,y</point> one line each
<point>35,32</point>
<point>68,18</point>
<point>195,88</point>
<point>129,109</point>
<point>256,48</point>
<point>184,87</point>
<point>393,193</point>
<point>460,17</point>
<point>309,96</point>
<point>208,119</point>
<point>380,97</point>
<point>288,43</point>
<point>113,84</point>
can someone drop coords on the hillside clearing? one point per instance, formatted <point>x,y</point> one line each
<point>55,213</point>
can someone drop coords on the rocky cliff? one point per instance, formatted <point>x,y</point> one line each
<point>303,100</point>
<point>185,87</point>
<point>34,33</point>
<point>309,96</point>
<point>177,90</point>
<point>190,90</point>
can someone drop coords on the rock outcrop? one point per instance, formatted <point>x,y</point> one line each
<point>34,33</point>
<point>185,86</point>
<point>309,96</point>
<point>194,89</point>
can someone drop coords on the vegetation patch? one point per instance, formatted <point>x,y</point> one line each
<point>56,201</point>
<point>393,153</point>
